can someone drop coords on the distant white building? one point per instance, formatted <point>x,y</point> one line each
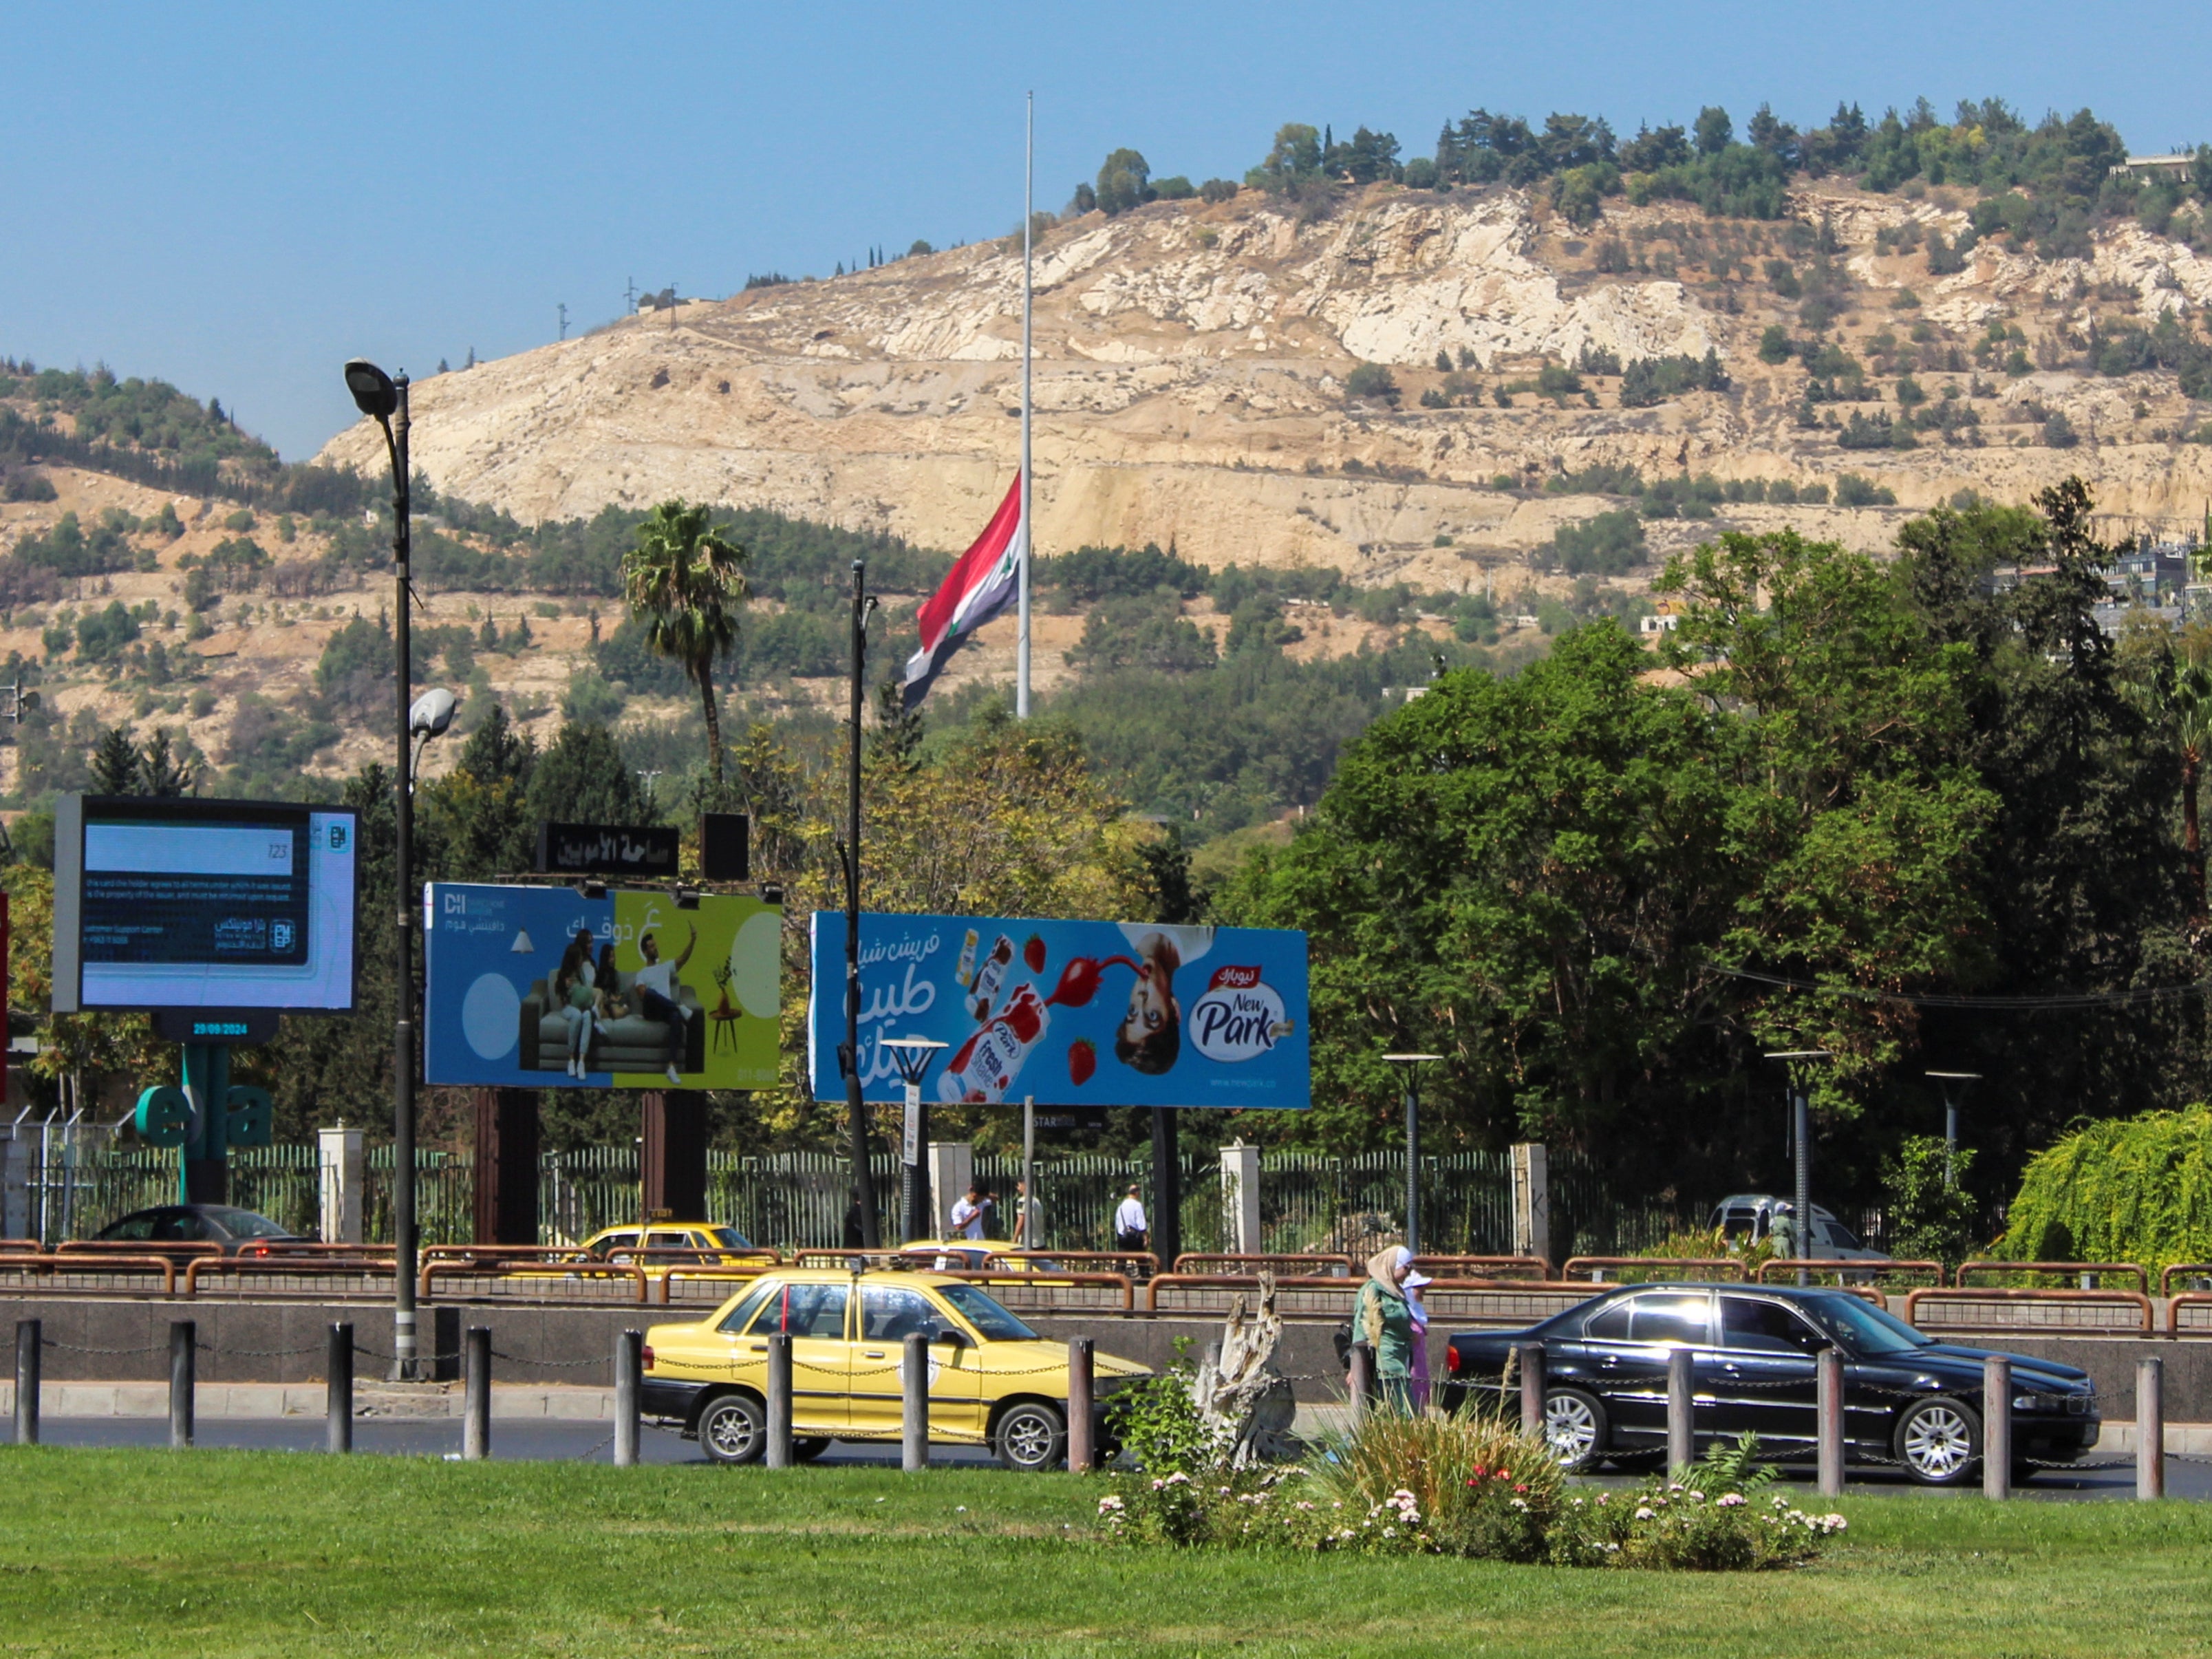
<point>2178,168</point>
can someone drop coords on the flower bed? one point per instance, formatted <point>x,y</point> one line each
<point>1469,1486</point>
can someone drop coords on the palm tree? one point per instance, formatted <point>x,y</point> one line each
<point>684,579</point>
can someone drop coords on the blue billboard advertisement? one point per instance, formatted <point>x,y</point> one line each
<point>541,988</point>
<point>1073,1013</point>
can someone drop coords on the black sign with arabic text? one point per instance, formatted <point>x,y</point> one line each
<point>608,849</point>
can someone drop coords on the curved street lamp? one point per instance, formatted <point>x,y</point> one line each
<point>384,400</point>
<point>911,1056</point>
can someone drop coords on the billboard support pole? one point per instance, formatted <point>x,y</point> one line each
<point>864,1185</point>
<point>203,1166</point>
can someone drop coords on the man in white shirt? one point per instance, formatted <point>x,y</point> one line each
<point>967,1214</point>
<point>1130,1228</point>
<point>654,987</point>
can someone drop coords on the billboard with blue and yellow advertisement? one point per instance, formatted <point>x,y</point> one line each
<point>539,988</point>
<point>1071,1013</point>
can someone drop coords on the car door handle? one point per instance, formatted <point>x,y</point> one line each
<point>760,1347</point>
<point>872,1353</point>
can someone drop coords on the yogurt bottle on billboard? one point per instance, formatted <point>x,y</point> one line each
<point>989,975</point>
<point>984,1069</point>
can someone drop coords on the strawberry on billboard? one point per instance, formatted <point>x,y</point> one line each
<point>1074,1013</point>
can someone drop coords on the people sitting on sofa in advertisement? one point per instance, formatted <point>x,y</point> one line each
<point>574,992</point>
<point>654,987</point>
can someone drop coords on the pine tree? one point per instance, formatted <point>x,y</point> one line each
<point>115,764</point>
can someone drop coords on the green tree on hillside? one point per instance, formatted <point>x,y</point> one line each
<point>684,579</point>
<point>1123,181</point>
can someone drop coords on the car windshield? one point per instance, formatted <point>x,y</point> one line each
<point>1869,1329</point>
<point>729,1238</point>
<point>977,1307</point>
<point>244,1223</point>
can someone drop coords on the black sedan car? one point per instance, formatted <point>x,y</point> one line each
<point>1910,1401</point>
<point>240,1232</point>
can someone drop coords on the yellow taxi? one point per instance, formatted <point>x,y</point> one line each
<point>993,1380</point>
<point>974,1255</point>
<point>708,1245</point>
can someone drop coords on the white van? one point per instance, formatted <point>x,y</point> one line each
<point>1751,1215</point>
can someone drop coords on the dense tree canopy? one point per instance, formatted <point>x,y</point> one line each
<point>1906,813</point>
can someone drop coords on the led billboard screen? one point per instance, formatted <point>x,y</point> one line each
<point>166,902</point>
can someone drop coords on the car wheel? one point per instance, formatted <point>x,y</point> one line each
<point>1575,1429</point>
<point>1938,1442</point>
<point>733,1429</point>
<point>1030,1436</point>
<point>806,1451</point>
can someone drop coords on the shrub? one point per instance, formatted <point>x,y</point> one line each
<point>1469,1485</point>
<point>1774,344</point>
<point>1610,545</point>
<point>2129,1189</point>
<point>1931,1216</point>
<point>1852,491</point>
<point>1373,381</point>
<point>1215,190</point>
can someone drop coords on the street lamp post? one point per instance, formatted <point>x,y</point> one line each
<point>1801,1142</point>
<point>911,1056</point>
<point>1965,1080</point>
<point>384,399</point>
<point>1413,1063</point>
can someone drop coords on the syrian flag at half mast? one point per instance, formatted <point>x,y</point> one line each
<point>983,582</point>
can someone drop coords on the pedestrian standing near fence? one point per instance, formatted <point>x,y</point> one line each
<point>1131,1229</point>
<point>968,1215</point>
<point>1028,1219</point>
<point>1382,1320</point>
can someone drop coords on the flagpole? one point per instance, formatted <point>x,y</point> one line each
<point>1029,535</point>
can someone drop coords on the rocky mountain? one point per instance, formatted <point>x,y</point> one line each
<point>1194,364</point>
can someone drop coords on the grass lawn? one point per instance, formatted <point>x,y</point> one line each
<point>244,1554</point>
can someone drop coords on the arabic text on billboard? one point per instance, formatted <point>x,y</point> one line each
<point>1081,1013</point>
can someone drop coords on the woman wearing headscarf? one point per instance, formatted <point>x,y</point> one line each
<point>1381,1319</point>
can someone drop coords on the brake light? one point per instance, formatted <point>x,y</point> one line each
<point>647,1356</point>
<point>1451,1358</point>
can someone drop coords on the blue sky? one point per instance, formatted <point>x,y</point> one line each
<point>238,198</point>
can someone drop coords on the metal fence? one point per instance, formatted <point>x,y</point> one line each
<point>79,1181</point>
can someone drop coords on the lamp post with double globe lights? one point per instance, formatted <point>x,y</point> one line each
<point>384,400</point>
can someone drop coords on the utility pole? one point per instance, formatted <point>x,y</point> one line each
<point>630,296</point>
<point>564,319</point>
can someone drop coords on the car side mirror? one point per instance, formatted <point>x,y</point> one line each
<point>951,1333</point>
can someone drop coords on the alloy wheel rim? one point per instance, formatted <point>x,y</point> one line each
<point>1569,1428</point>
<point>1029,1437</point>
<point>730,1430</point>
<point>1938,1442</point>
